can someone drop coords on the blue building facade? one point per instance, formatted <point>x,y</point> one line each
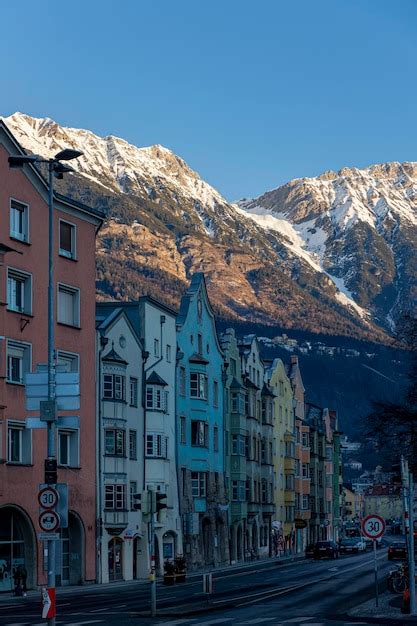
<point>200,430</point>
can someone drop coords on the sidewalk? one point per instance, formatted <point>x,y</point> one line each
<point>8,596</point>
<point>388,611</point>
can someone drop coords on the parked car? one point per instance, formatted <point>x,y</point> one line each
<point>309,551</point>
<point>397,550</point>
<point>352,544</point>
<point>326,549</point>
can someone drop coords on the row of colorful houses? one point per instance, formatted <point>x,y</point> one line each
<point>250,469</point>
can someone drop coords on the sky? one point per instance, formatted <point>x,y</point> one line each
<point>250,94</point>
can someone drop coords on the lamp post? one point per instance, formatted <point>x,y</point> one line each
<point>48,408</point>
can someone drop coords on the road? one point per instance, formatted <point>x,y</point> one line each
<point>302,592</point>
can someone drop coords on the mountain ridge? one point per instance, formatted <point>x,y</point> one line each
<point>165,221</point>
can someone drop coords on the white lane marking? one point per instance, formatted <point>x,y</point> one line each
<point>90,621</point>
<point>217,621</point>
<point>98,610</point>
<point>259,620</point>
<point>298,619</point>
<point>176,622</point>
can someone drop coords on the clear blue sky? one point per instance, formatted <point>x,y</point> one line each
<point>250,94</point>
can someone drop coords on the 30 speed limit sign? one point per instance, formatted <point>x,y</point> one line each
<point>48,498</point>
<point>373,526</point>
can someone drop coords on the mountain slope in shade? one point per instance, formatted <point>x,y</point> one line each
<point>165,222</point>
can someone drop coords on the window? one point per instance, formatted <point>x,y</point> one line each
<point>19,291</point>
<point>68,448</point>
<point>168,353</point>
<point>156,445</point>
<point>19,443</point>
<point>281,387</point>
<point>67,238</point>
<point>68,305</point>
<point>289,513</point>
<point>305,440</point>
<point>18,361</point>
<point>114,387</point>
<point>199,434</point>
<point>156,347</point>
<point>289,482</point>
<point>263,451</point>
<point>133,486</point>
<point>19,220</point>
<point>133,391</point>
<point>115,497</point>
<point>215,393</point>
<point>216,439</point>
<point>114,442</point>
<point>133,451</point>
<point>238,490</point>
<point>198,484</point>
<point>199,343</point>
<point>183,432</point>
<point>297,467</point>
<point>156,398</point>
<point>198,385</point>
<point>239,444</point>
<point>264,492</point>
<point>305,502</point>
<point>182,380</point>
<point>289,449</point>
<point>306,470</point>
<point>233,367</point>
<point>68,361</point>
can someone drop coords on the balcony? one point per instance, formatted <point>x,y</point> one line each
<point>289,465</point>
<point>268,508</point>
<point>254,508</point>
<point>115,521</point>
<point>289,497</point>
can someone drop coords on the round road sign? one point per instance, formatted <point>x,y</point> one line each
<point>49,521</point>
<point>48,498</point>
<point>373,526</point>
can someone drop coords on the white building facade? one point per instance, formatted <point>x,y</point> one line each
<point>122,551</point>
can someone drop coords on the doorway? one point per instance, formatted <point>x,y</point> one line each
<point>115,559</point>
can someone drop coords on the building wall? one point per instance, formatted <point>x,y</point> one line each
<point>388,507</point>
<point>33,258</point>
<point>201,461</point>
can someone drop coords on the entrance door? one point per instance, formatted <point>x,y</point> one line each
<point>12,547</point>
<point>115,559</point>
<point>65,548</point>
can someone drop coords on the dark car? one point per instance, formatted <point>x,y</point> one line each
<point>397,550</point>
<point>310,551</point>
<point>326,549</point>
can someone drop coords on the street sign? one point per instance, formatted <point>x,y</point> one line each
<point>62,505</point>
<point>49,536</point>
<point>67,390</point>
<point>48,498</point>
<point>373,526</point>
<point>48,603</point>
<point>49,521</point>
<point>63,421</point>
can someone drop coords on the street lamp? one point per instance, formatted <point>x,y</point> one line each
<point>48,408</point>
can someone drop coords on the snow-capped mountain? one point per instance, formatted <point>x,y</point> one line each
<point>290,257</point>
<point>359,226</point>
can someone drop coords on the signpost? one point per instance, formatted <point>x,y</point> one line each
<point>208,585</point>
<point>373,527</point>
<point>49,521</point>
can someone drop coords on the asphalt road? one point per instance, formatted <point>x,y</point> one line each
<point>305,592</point>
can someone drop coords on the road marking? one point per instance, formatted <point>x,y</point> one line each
<point>100,610</point>
<point>259,620</point>
<point>176,622</point>
<point>90,621</point>
<point>217,621</point>
<point>298,619</point>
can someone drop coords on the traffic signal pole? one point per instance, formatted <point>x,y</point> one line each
<point>411,564</point>
<point>152,507</point>
<point>51,452</point>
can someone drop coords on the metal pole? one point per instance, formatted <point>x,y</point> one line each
<point>51,359</point>
<point>152,554</point>
<point>411,564</point>
<point>375,573</point>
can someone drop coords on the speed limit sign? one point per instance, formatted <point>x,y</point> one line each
<point>48,498</point>
<point>373,526</point>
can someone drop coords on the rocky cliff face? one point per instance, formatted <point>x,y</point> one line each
<point>281,259</point>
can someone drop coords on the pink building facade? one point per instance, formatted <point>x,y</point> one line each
<point>23,345</point>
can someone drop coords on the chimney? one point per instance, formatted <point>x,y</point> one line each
<point>294,359</point>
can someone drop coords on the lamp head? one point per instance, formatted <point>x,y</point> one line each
<point>67,155</point>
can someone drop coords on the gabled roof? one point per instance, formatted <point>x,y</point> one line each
<point>113,357</point>
<point>235,384</point>
<point>266,391</point>
<point>250,385</point>
<point>155,379</point>
<point>106,317</point>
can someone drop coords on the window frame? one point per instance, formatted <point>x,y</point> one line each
<point>201,430</point>
<point>71,358</point>
<point>73,444</point>
<point>133,444</point>
<point>61,251</point>
<point>25,442</point>
<point>27,356</point>
<point>75,292</point>
<point>26,280</point>
<point>117,492</point>
<point>199,484</point>
<point>133,388</point>
<point>14,234</point>
<point>199,386</point>
<point>116,451</point>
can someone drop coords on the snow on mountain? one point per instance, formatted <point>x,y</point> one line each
<point>305,229</point>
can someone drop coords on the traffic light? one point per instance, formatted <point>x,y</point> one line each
<point>141,502</point>
<point>161,501</point>
<point>51,473</point>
